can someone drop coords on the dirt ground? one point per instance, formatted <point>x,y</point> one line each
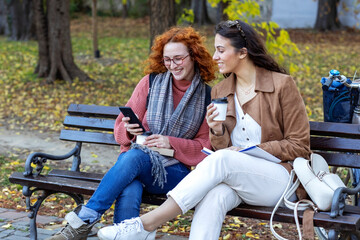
<point>22,142</point>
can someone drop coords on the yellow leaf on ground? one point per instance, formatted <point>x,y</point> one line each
<point>6,226</point>
<point>250,234</point>
<point>227,236</point>
<point>277,225</point>
<point>165,229</point>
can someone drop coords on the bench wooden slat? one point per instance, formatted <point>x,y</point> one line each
<point>93,111</point>
<point>55,183</point>
<point>89,123</point>
<point>335,144</point>
<point>88,137</point>
<point>348,222</point>
<point>95,177</point>
<point>345,130</point>
<point>341,159</point>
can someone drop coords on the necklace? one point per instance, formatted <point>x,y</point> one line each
<point>248,90</point>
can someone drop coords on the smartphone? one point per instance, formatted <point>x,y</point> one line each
<point>128,112</point>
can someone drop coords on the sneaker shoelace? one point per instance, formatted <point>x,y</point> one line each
<point>128,226</point>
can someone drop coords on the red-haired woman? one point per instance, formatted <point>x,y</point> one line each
<point>174,113</point>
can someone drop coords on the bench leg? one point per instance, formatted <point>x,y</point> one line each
<point>332,234</point>
<point>34,208</point>
<point>79,199</point>
<point>355,235</point>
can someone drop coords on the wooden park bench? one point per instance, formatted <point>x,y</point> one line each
<point>94,124</point>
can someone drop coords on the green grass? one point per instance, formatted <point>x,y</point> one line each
<point>8,166</point>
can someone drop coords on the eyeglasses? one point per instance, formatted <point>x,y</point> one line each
<point>177,60</point>
<point>238,26</point>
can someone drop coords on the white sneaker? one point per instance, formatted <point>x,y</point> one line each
<point>131,229</point>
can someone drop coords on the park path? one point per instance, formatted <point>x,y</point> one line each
<point>14,225</point>
<point>22,142</point>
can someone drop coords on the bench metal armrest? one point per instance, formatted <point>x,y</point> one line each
<point>39,159</point>
<point>338,201</point>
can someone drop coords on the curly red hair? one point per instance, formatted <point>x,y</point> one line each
<point>197,50</point>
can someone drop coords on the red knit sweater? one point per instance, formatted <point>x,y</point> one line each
<point>187,151</point>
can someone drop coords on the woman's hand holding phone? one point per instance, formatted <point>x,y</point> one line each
<point>131,121</point>
<point>132,128</point>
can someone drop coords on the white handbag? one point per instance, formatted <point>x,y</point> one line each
<point>319,184</point>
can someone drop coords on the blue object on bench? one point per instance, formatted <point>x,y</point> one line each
<point>339,101</point>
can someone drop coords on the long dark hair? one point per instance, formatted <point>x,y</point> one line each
<point>242,35</point>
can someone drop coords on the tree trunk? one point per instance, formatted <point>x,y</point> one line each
<point>16,19</point>
<point>220,15</point>
<point>327,18</point>
<point>43,65</point>
<point>124,12</point>
<point>162,17</point>
<point>55,51</point>
<point>200,12</point>
<point>4,26</point>
<point>94,30</point>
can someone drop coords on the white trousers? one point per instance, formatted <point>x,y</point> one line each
<point>221,182</point>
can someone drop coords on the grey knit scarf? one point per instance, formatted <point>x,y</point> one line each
<point>182,122</point>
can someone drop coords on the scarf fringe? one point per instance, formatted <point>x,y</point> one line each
<point>157,169</point>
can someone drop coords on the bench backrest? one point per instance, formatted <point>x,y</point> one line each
<point>92,124</point>
<point>339,143</point>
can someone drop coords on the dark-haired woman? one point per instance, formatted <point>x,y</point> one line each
<point>265,109</point>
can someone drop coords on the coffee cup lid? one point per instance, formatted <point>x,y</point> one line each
<point>220,100</point>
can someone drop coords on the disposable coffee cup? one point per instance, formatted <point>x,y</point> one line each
<point>221,106</point>
<point>140,139</point>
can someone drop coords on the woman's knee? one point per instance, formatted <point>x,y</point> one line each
<point>133,157</point>
<point>221,198</point>
<point>217,158</point>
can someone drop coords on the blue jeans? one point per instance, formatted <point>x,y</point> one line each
<point>125,181</point>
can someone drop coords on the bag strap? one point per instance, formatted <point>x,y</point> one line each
<point>308,224</point>
<point>207,95</point>
<point>292,189</point>
<point>308,219</point>
<point>151,80</point>
<point>300,205</point>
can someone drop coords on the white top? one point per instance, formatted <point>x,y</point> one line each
<point>247,131</point>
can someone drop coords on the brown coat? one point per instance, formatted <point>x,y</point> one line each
<point>278,108</point>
